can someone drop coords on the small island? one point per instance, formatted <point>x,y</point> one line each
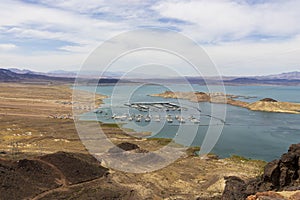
<point>265,105</point>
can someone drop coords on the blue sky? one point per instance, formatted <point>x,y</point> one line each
<point>242,37</point>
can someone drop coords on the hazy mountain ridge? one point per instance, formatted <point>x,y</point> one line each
<point>14,74</point>
<point>261,81</point>
<point>10,76</point>
<point>295,75</point>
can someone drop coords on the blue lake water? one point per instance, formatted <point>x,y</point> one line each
<point>252,134</point>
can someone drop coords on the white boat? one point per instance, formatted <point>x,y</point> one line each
<point>158,106</point>
<point>117,117</point>
<point>147,119</point>
<point>195,121</point>
<point>157,118</point>
<point>181,120</point>
<point>144,107</point>
<point>134,106</point>
<point>138,119</point>
<point>143,110</point>
<point>169,119</point>
<point>123,117</point>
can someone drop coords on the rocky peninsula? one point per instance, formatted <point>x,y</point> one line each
<point>265,105</point>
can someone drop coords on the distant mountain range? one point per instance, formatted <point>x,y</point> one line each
<point>28,76</point>
<point>17,75</point>
<point>288,76</point>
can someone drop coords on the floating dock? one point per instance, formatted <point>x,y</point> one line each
<point>145,106</point>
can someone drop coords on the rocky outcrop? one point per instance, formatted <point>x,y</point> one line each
<point>192,96</point>
<point>76,168</point>
<point>268,100</point>
<point>27,178</point>
<point>265,105</point>
<point>279,175</point>
<point>216,97</point>
<point>125,146</point>
<point>234,189</point>
<point>271,195</point>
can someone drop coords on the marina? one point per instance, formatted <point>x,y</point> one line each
<point>147,112</point>
<point>146,106</point>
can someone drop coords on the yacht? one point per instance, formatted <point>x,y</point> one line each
<point>195,121</point>
<point>147,118</point>
<point>157,118</point>
<point>138,119</point>
<point>181,120</point>
<point>169,119</point>
<point>130,118</point>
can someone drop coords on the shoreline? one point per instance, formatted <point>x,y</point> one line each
<point>264,105</point>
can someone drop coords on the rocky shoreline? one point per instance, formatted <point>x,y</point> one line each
<point>264,105</point>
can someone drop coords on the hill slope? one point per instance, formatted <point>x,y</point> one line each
<point>58,176</point>
<point>9,76</point>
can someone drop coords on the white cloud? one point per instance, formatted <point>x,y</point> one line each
<point>7,47</point>
<point>232,20</point>
<point>28,21</point>
<point>252,58</point>
<point>241,38</point>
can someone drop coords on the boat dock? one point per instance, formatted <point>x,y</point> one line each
<point>145,106</point>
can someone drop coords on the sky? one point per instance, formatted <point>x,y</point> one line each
<point>242,37</point>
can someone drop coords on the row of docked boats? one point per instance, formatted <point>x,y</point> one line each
<point>146,106</point>
<point>156,118</point>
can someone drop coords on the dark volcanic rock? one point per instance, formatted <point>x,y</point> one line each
<point>125,146</point>
<point>268,100</point>
<point>76,167</point>
<point>279,175</point>
<point>272,173</point>
<point>234,189</point>
<point>3,152</point>
<point>27,178</point>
